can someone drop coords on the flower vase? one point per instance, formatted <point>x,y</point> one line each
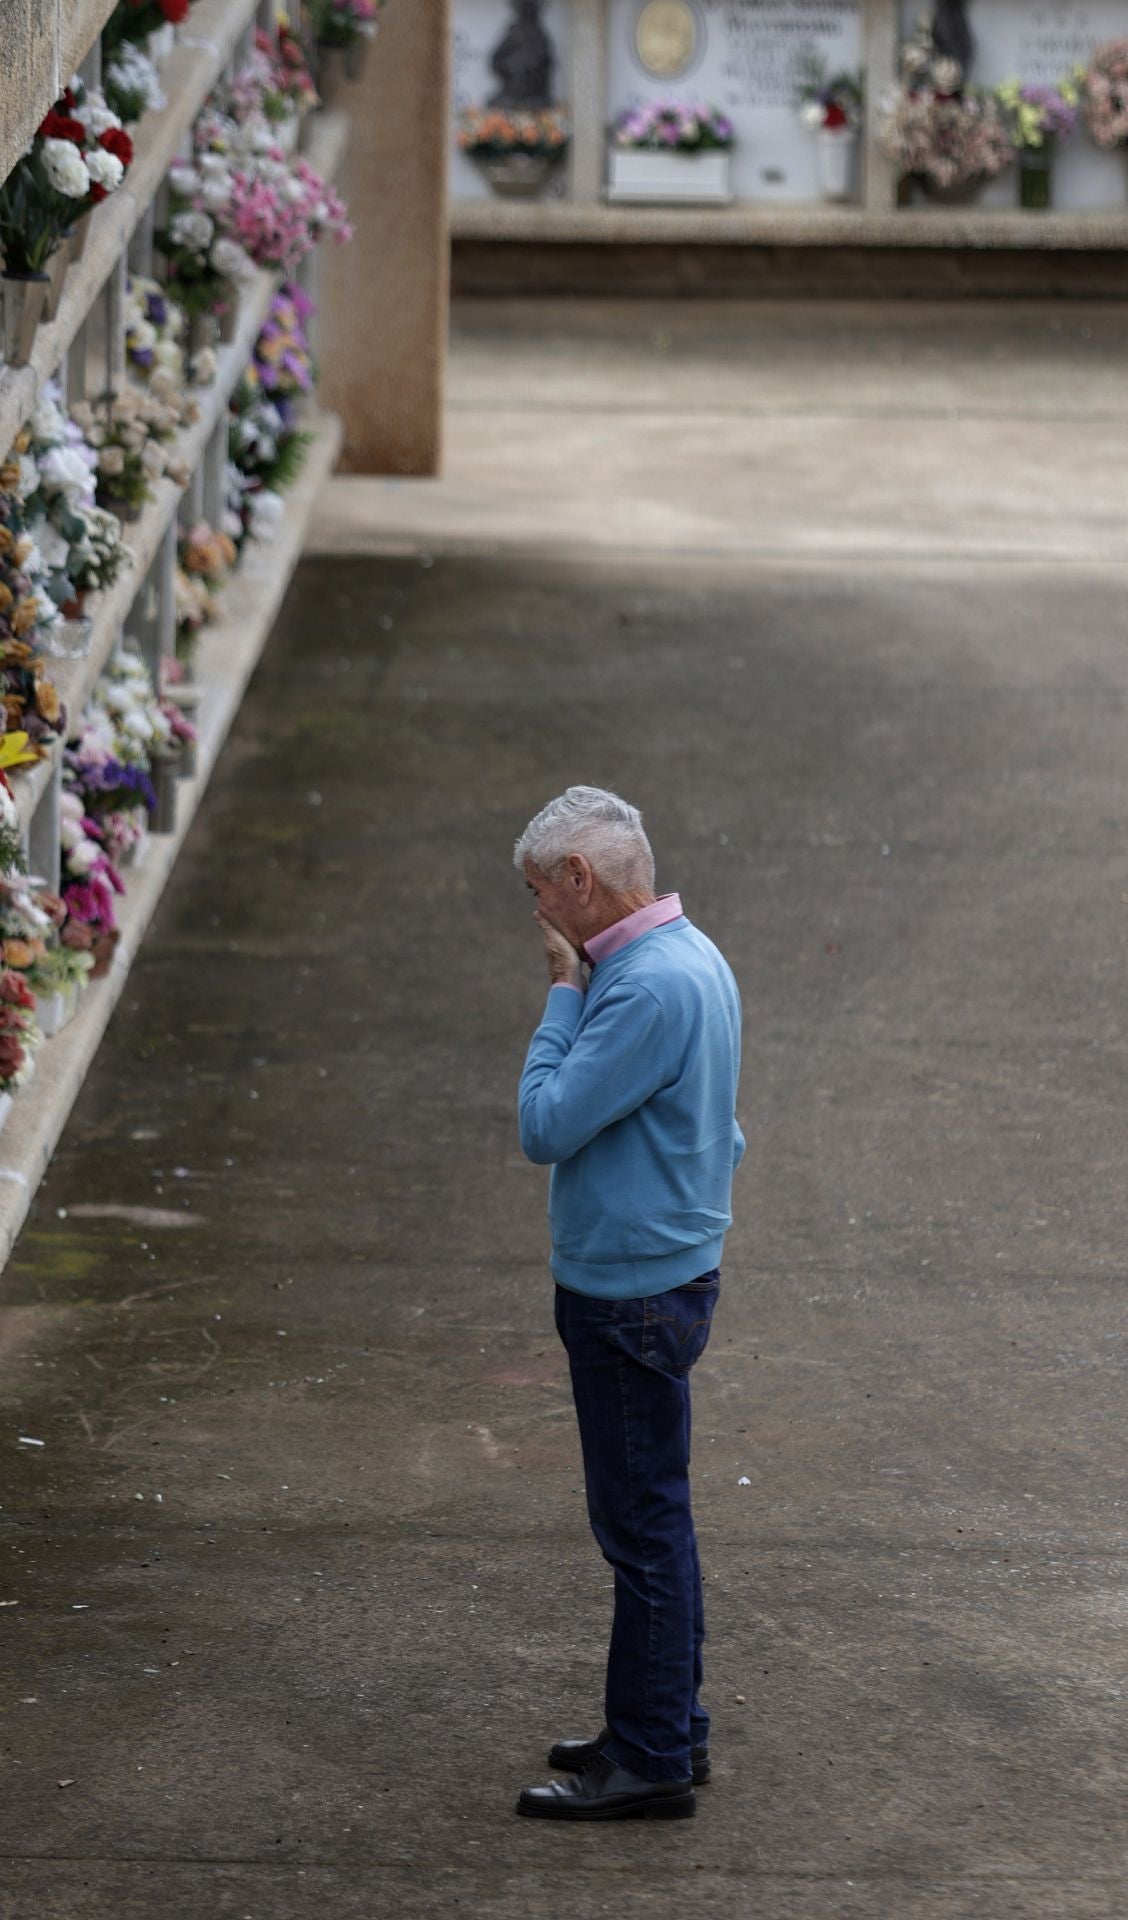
<point>188,760</point>
<point>338,67</point>
<point>161,42</point>
<point>70,639</point>
<point>25,302</point>
<point>163,772</point>
<point>56,1010</point>
<point>961,193</point>
<point>5,1107</point>
<point>103,948</point>
<point>837,147</point>
<point>1036,178</point>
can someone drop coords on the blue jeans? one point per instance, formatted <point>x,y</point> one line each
<point>630,1363</point>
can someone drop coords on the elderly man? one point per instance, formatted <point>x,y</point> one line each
<point>628,1093</point>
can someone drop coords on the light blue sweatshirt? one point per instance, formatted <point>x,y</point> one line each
<point>629,1094</point>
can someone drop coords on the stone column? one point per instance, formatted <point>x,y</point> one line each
<point>881,38</point>
<point>383,341</point>
<point>588,100</point>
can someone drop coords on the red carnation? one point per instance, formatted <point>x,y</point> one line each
<point>117,141</point>
<point>97,193</point>
<point>67,99</point>
<point>175,10</point>
<point>60,126</point>
<point>12,1056</point>
<point>15,992</point>
<point>836,116</point>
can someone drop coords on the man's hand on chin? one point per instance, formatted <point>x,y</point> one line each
<point>565,967</point>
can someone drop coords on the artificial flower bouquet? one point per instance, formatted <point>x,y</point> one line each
<point>90,886</point>
<point>80,543</point>
<point>31,923</point>
<point>137,19</point>
<point>205,266</point>
<point>267,445</point>
<point>1039,119</point>
<point>110,764</point>
<point>937,129</point>
<point>132,84</point>
<point>19,1035</point>
<point>278,213</point>
<point>491,133</point>
<point>343,23</point>
<point>205,559</point>
<point>830,105</point>
<point>132,433</point>
<point>154,329</point>
<point>672,126</point>
<point>79,155</point>
<point>1105,88</point>
<point>276,83</point>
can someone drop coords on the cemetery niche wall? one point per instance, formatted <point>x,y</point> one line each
<point>746,60</point>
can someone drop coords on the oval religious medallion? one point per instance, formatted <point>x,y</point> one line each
<point>666,37</point>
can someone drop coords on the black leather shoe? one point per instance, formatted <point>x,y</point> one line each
<point>568,1756</point>
<point>603,1791</point>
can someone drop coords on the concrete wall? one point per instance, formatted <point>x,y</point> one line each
<point>43,42</point>
<point>386,294</point>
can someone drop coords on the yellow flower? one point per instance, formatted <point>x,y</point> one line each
<point>13,751</point>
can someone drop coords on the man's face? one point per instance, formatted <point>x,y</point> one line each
<point>559,902</point>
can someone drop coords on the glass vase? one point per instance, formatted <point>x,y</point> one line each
<point>1036,178</point>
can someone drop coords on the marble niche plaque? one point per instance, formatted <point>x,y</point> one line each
<point>478,26</point>
<point>744,58</point>
<point>1041,41</point>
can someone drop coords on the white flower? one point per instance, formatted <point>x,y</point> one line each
<point>55,550</point>
<point>81,854</point>
<point>205,366</point>
<point>95,116</point>
<point>216,192</point>
<point>66,172</point>
<point>48,422</point>
<point>184,180</point>
<point>812,114</point>
<point>168,357</point>
<point>9,814</point>
<point>105,169</point>
<point>193,230</point>
<point>214,166</point>
<point>228,258</point>
<point>294,189</point>
<point>65,469</point>
<point>29,475</point>
<point>143,335</point>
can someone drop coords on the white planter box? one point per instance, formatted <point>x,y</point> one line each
<point>640,175</point>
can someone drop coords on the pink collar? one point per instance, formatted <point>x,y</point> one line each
<point>644,920</point>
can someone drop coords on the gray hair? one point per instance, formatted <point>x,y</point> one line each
<point>606,830</point>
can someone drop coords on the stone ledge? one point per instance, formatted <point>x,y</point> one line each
<point>550,222</point>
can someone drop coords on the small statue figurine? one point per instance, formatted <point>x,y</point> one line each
<point>951,34</point>
<point>523,60</point>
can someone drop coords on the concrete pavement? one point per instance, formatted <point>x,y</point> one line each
<point>304,1585</point>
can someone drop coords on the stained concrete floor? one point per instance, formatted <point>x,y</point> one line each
<point>304,1585</point>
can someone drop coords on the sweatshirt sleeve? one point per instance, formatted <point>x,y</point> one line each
<point>577,1083</point>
